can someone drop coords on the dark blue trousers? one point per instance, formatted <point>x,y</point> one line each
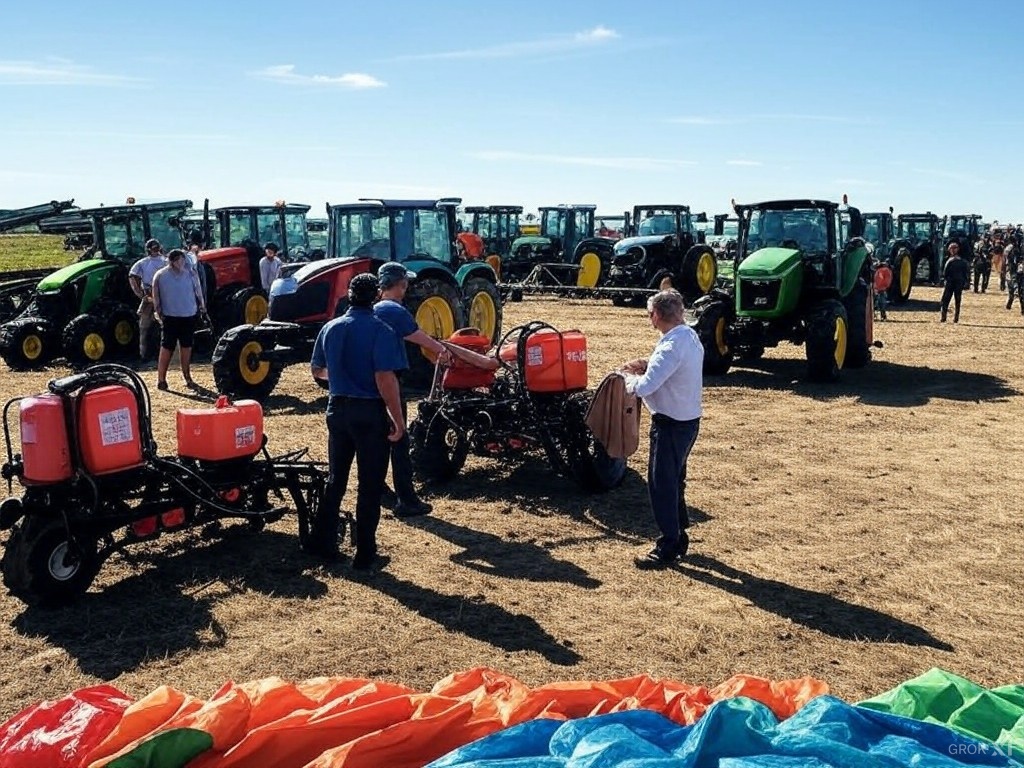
<point>671,443</point>
<point>357,429</point>
<point>401,464</point>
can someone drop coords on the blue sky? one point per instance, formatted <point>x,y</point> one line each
<point>910,104</point>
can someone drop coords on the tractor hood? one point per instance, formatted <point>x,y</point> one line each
<point>623,245</point>
<point>57,280</point>
<point>290,283</point>
<point>768,263</point>
<point>530,240</point>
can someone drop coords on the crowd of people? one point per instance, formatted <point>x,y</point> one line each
<point>1001,250</point>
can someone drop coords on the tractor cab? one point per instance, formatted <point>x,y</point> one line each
<point>120,232</point>
<point>564,226</point>
<point>963,229</point>
<point>496,225</point>
<point>878,229</point>
<point>921,235</point>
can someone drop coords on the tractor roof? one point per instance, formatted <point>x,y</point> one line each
<point>918,217</point>
<point>121,210</point>
<point>569,207</point>
<point>287,208</point>
<point>670,207</point>
<point>790,205</point>
<point>494,209</point>
<point>367,202</point>
<point>876,215</point>
<point>976,216</point>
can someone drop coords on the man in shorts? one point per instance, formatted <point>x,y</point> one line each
<point>177,300</point>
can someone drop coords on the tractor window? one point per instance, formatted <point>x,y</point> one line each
<point>295,230</point>
<point>136,247</point>
<point>657,222</point>
<point>430,235</point>
<point>584,224</point>
<point>268,225</point>
<point>161,228</point>
<point>552,225</point>
<point>872,231</point>
<point>803,229</point>
<point>115,239</point>
<point>486,226</point>
<point>365,231</point>
<point>239,228</point>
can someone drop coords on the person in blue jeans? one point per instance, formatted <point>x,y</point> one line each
<point>357,355</point>
<point>394,282</point>
<point>670,384</point>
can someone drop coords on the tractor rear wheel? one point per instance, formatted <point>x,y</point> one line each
<point>27,343</point>
<point>238,370</point>
<point>713,322</point>
<point>590,465</point>
<point>437,307</point>
<point>437,447</point>
<point>86,341</point>
<point>591,269</point>
<point>828,338</point>
<point>902,277</point>
<point>699,271</point>
<point>42,566</point>
<point>859,308</point>
<point>247,306</point>
<point>123,332</point>
<point>483,307</point>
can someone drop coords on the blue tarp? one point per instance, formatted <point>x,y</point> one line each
<point>735,733</point>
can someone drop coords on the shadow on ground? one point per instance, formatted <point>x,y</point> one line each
<point>814,610</point>
<point>474,617</point>
<point>880,383</point>
<point>166,606</point>
<point>505,558</point>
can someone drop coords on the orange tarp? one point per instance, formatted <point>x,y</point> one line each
<point>334,722</point>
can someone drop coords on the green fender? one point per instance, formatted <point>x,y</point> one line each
<point>853,263</point>
<point>430,268</point>
<point>475,269</point>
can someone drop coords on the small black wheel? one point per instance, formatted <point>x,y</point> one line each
<point>123,332</point>
<point>41,565</point>
<point>713,323</point>
<point>238,369</point>
<point>699,271</point>
<point>437,447</point>
<point>86,341</point>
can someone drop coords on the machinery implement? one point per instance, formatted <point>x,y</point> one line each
<point>529,398</point>
<point>94,484</point>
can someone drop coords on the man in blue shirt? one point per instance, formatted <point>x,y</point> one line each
<point>671,385</point>
<point>394,282</point>
<point>358,355</point>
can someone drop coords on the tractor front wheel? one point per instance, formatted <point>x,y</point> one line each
<point>828,338</point>
<point>86,341</point>
<point>483,307</point>
<point>42,565</point>
<point>27,343</point>
<point>437,307</point>
<point>123,332</point>
<point>902,277</point>
<point>238,368</point>
<point>699,271</point>
<point>713,323</point>
<point>247,306</point>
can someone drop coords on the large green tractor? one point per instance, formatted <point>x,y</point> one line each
<point>802,276</point>
<point>86,311</point>
<point>887,246</point>
<point>562,229</point>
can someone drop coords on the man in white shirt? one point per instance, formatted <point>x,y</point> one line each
<point>140,277</point>
<point>671,384</point>
<point>270,266</point>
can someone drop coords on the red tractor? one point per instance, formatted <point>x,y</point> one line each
<point>446,295</point>
<point>231,269</point>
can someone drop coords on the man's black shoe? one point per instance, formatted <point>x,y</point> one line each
<point>413,509</point>
<point>655,560</point>
<point>371,563</point>
<point>684,544</point>
<point>327,554</point>
<point>388,498</point>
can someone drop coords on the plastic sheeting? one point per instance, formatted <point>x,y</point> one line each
<point>937,696</point>
<point>354,722</point>
<point>737,733</point>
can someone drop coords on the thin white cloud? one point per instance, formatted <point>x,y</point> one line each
<point>564,43</point>
<point>598,161</point>
<point>963,178</point>
<point>56,71</point>
<point>285,73</point>
<point>746,163</point>
<point>764,118</point>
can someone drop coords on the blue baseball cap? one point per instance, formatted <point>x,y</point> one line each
<point>391,272</point>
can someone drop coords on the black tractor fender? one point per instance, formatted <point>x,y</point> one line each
<point>602,246</point>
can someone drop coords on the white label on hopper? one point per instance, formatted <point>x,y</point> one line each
<point>28,433</point>
<point>535,355</point>
<point>116,427</point>
<point>245,436</point>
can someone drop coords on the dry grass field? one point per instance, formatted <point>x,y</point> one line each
<point>861,533</point>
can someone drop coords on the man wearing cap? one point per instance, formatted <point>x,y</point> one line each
<point>270,266</point>
<point>394,282</point>
<point>358,355</point>
<point>140,278</point>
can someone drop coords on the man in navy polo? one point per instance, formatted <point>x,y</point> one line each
<point>358,355</point>
<point>394,279</point>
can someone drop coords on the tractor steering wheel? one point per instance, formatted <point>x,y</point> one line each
<point>789,243</point>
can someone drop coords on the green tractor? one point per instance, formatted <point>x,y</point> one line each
<point>87,311</point>
<point>920,235</point>
<point>497,226</point>
<point>802,275</point>
<point>886,246</point>
<point>562,229</point>
<point>445,296</point>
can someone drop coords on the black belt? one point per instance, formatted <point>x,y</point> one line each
<point>350,398</point>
